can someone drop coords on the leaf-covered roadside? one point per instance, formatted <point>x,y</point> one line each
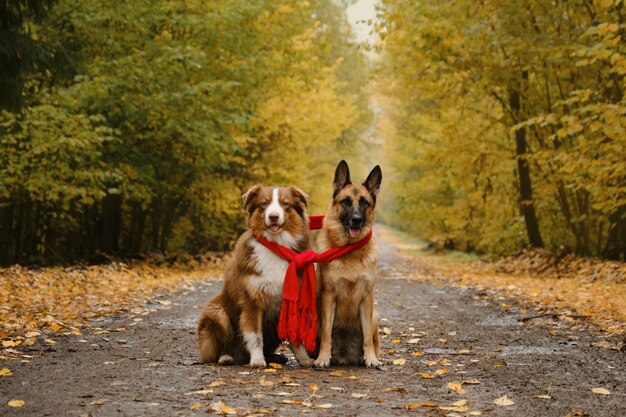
<point>39,301</point>
<point>570,288</point>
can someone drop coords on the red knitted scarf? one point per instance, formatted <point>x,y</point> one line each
<point>298,314</point>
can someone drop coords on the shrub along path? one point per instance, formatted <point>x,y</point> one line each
<point>449,351</point>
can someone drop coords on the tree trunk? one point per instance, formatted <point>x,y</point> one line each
<point>525,185</point>
<point>616,242</point>
<point>111,223</point>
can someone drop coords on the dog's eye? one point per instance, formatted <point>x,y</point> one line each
<point>261,208</point>
<point>363,202</point>
<point>346,202</point>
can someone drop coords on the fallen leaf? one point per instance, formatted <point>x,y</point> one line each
<point>49,341</point>
<point>601,391</point>
<point>265,383</point>
<point>459,403</point>
<point>324,406</point>
<point>200,392</point>
<point>195,406</point>
<point>217,383</point>
<point>281,393</point>
<point>413,406</point>
<point>8,343</point>
<point>275,365</point>
<point>296,402</point>
<point>413,341</point>
<point>356,395</point>
<point>386,330</point>
<point>456,386</point>
<point>336,373</point>
<point>269,371</point>
<point>504,401</point>
<point>16,403</point>
<point>470,382</point>
<point>5,372</point>
<point>221,408</point>
<point>353,377</point>
<point>399,361</point>
<point>474,413</point>
<point>426,375</point>
<point>417,353</point>
<point>313,387</point>
<point>543,397</point>
<point>378,400</point>
<point>441,371</point>
<point>396,341</point>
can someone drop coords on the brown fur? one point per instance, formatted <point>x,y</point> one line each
<point>250,300</point>
<point>349,326</point>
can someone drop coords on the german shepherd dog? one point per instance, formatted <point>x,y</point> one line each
<point>349,325</point>
<point>239,324</point>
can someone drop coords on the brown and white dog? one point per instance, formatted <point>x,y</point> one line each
<point>239,324</point>
<point>349,326</point>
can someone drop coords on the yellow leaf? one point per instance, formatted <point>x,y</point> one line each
<point>456,387</point>
<point>217,383</point>
<point>324,406</point>
<point>297,402</point>
<point>470,382</point>
<point>16,403</point>
<point>49,341</point>
<point>5,372</point>
<point>426,375</point>
<point>396,341</point>
<point>503,401</point>
<point>399,361</point>
<point>269,371</point>
<point>222,408</point>
<point>428,404</point>
<point>356,395</point>
<point>313,387</point>
<point>417,353</point>
<point>412,406</point>
<point>265,383</point>
<point>459,403</point>
<point>275,365</point>
<point>195,406</point>
<point>441,371</point>
<point>8,343</point>
<point>601,391</point>
<point>336,373</point>
<point>55,327</point>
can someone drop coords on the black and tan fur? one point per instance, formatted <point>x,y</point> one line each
<point>349,326</point>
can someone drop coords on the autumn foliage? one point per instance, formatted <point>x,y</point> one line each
<point>509,125</point>
<point>143,132</point>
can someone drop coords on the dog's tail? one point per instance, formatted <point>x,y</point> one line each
<point>214,331</point>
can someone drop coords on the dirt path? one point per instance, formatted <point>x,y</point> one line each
<point>445,335</point>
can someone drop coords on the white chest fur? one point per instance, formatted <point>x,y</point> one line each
<point>271,269</point>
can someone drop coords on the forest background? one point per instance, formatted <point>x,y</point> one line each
<point>133,127</point>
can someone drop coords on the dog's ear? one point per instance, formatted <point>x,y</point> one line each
<point>300,195</point>
<point>342,178</point>
<point>372,183</point>
<point>249,195</point>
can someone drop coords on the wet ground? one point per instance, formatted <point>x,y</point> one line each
<point>448,352</point>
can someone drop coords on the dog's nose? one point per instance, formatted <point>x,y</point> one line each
<point>356,220</point>
<point>273,217</point>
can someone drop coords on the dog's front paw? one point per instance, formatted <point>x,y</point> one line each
<point>373,362</point>
<point>322,362</point>
<point>258,362</point>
